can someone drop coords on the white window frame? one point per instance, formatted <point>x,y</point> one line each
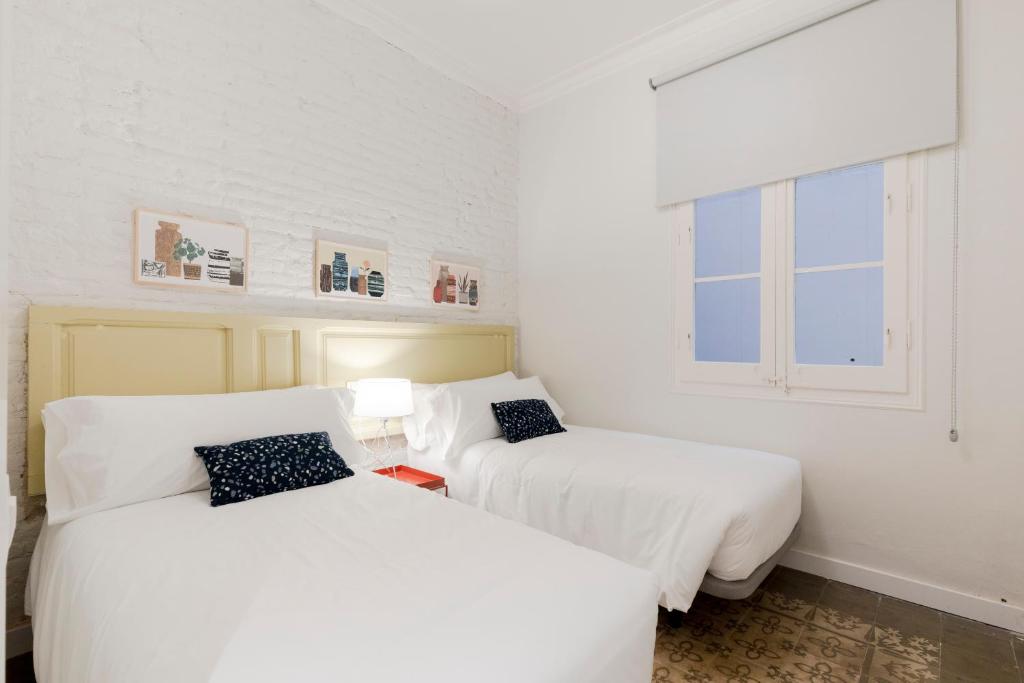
<point>897,383</point>
<point>729,373</point>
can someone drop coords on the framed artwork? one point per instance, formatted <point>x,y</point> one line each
<point>455,284</point>
<point>344,271</point>
<point>173,250</point>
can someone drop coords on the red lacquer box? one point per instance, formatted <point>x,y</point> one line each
<point>411,475</point>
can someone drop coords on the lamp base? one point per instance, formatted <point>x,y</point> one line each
<point>380,449</point>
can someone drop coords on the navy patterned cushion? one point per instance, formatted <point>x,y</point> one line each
<point>259,467</point>
<point>526,419</point>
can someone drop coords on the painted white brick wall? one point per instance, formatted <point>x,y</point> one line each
<point>274,113</point>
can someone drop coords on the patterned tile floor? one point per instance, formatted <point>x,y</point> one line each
<point>800,627</point>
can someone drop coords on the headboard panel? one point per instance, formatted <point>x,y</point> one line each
<point>81,351</point>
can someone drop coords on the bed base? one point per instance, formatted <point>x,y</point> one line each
<point>744,588</point>
<point>740,590</point>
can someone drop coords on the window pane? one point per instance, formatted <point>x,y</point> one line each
<point>727,233</point>
<point>727,321</point>
<point>839,317</point>
<point>839,216</point>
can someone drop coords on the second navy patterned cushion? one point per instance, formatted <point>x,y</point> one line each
<point>526,419</point>
<point>259,467</point>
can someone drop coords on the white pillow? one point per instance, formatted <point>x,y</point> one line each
<point>416,427</point>
<point>103,452</point>
<point>463,410</point>
<point>422,429</point>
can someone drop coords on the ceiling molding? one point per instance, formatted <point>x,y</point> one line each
<point>424,49</point>
<point>736,24</point>
<point>623,55</point>
<point>732,25</point>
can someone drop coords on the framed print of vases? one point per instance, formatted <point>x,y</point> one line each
<point>345,271</point>
<point>174,250</point>
<point>455,284</point>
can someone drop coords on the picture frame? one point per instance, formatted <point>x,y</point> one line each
<point>352,272</point>
<point>181,251</point>
<point>460,288</point>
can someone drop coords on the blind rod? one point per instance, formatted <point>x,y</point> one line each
<point>755,42</point>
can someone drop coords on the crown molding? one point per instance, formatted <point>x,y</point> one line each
<point>735,25</point>
<point>414,43</point>
<point>626,54</point>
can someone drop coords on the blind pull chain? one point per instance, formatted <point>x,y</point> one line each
<point>954,389</point>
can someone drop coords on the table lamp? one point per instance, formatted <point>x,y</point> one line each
<point>383,398</point>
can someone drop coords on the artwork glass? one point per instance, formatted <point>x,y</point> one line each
<point>455,284</point>
<point>181,251</point>
<point>349,272</point>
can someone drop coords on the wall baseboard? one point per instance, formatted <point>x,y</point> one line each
<point>19,640</point>
<point>969,606</point>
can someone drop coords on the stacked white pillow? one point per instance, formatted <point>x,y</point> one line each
<point>422,427</point>
<point>451,417</point>
<point>103,452</point>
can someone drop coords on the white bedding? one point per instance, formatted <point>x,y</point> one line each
<point>679,508</point>
<point>365,579</point>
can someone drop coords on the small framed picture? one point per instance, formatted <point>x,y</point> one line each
<point>344,271</point>
<point>455,285</point>
<point>174,250</point>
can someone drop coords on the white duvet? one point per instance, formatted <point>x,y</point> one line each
<point>679,508</point>
<point>365,579</point>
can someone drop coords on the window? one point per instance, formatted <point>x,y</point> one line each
<point>801,288</point>
<point>727,277</point>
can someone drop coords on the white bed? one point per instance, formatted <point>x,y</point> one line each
<point>365,579</point>
<point>679,508</point>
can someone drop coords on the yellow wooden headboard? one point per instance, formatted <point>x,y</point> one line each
<point>92,351</point>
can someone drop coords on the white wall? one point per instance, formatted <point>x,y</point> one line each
<point>884,489</point>
<point>277,114</point>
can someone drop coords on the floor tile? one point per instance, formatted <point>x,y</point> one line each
<point>797,584</point>
<point>715,616</point>
<point>717,607</point>
<point>684,673</point>
<point>791,668</point>
<point>708,635</point>
<point>793,593</point>
<point>974,634</point>
<point>977,677</point>
<point>662,674</point>
<point>847,610</point>
<point>672,674</point>
<point>804,628</point>
<point>908,630</point>
<point>679,649</point>
<point>762,638</point>
<point>738,668</point>
<point>982,665</point>
<point>741,671</point>
<point>885,667</point>
<point>755,597</point>
<point>843,653</point>
<point>819,670</point>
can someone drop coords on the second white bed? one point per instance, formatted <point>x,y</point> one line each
<point>679,508</point>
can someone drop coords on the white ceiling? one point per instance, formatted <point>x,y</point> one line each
<point>507,48</point>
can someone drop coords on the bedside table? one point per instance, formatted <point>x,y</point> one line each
<point>411,475</point>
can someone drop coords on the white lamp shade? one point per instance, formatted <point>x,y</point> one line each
<point>383,397</point>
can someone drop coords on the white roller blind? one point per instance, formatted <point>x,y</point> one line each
<point>875,82</point>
